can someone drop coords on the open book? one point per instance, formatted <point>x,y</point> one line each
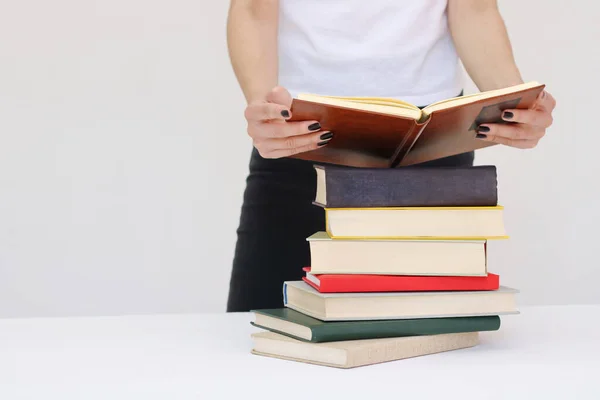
<point>385,132</point>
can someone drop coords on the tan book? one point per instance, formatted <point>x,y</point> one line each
<point>357,353</point>
<point>300,296</point>
<point>397,257</point>
<point>465,223</point>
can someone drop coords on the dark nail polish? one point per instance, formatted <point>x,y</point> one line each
<point>323,143</point>
<point>285,114</point>
<point>314,127</point>
<point>480,136</point>
<point>508,115</point>
<point>326,136</point>
<point>483,129</point>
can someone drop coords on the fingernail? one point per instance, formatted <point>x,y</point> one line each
<point>508,115</point>
<point>285,114</point>
<point>323,143</point>
<point>314,127</point>
<point>483,129</point>
<point>326,136</point>
<point>480,136</point>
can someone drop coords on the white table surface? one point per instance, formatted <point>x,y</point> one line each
<point>544,352</point>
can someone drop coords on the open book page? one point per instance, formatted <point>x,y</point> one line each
<point>470,98</point>
<point>401,108</point>
<point>375,104</point>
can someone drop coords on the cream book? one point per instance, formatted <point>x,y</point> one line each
<point>300,296</point>
<point>397,257</point>
<point>357,353</point>
<point>466,223</point>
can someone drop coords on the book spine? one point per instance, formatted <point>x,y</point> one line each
<point>359,330</point>
<point>378,352</point>
<point>369,283</point>
<point>412,187</point>
<point>409,140</point>
<point>284,293</point>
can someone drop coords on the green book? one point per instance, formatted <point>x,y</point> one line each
<point>302,327</point>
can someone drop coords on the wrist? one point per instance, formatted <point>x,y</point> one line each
<point>500,81</point>
<point>259,92</point>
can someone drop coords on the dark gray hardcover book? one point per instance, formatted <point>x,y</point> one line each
<point>350,187</point>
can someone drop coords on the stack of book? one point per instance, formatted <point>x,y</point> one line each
<point>400,270</point>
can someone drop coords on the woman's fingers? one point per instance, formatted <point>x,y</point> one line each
<point>289,129</point>
<point>286,146</point>
<point>280,95</point>
<point>519,144</point>
<point>263,112</point>
<point>276,130</point>
<point>545,101</point>
<point>521,136</point>
<point>535,117</point>
<point>513,132</point>
<point>291,152</point>
<point>271,132</point>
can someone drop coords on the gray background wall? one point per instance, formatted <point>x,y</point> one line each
<point>123,156</point>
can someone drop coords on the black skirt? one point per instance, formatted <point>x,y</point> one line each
<point>277,216</point>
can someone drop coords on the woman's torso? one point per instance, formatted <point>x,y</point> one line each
<point>385,48</point>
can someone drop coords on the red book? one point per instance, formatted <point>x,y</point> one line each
<point>330,283</point>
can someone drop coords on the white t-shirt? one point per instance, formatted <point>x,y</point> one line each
<point>385,48</point>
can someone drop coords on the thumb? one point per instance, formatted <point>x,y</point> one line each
<point>539,100</point>
<point>280,95</point>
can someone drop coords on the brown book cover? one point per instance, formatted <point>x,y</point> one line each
<point>384,133</point>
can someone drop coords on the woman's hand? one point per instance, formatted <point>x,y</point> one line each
<point>529,127</point>
<point>275,137</point>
